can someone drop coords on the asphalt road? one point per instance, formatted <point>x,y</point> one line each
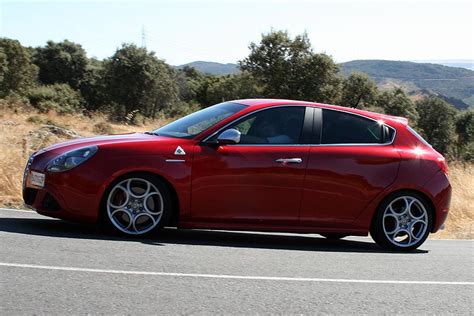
<point>49,266</point>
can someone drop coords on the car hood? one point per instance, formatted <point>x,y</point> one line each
<point>105,140</point>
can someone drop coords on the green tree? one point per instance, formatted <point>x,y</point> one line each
<point>437,122</point>
<point>465,126</point>
<point>3,64</point>
<point>288,68</point>
<point>135,80</point>
<point>92,86</point>
<point>194,85</point>
<point>396,102</point>
<point>64,62</point>
<point>188,81</point>
<point>358,91</point>
<point>17,72</point>
<point>59,97</point>
<point>233,87</point>
<point>465,133</point>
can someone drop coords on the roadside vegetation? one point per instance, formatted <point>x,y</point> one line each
<point>55,92</point>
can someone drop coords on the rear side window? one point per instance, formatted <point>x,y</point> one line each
<point>345,128</point>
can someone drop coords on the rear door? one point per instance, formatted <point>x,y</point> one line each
<point>351,162</point>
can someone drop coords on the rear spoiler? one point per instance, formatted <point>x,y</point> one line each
<point>400,119</point>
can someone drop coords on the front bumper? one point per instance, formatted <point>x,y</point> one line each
<point>64,195</point>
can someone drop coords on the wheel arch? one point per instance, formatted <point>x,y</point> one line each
<point>174,195</point>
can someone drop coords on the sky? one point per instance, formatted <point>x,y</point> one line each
<point>211,30</point>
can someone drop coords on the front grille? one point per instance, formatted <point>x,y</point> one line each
<point>29,195</point>
<point>50,204</point>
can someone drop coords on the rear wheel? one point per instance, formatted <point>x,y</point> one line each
<point>137,204</point>
<point>402,222</point>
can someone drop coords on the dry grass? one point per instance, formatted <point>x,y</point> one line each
<point>20,135</point>
<point>460,222</point>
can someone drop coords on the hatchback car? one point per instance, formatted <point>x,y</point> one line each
<point>262,164</point>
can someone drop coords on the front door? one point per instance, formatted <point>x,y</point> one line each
<point>258,180</point>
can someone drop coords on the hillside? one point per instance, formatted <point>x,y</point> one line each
<point>452,82</point>
<point>461,63</point>
<point>212,68</point>
<point>405,70</point>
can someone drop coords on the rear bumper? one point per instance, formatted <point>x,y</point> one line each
<point>440,189</point>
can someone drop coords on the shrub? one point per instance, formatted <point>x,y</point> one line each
<point>54,123</point>
<point>59,97</point>
<point>103,128</point>
<point>35,119</point>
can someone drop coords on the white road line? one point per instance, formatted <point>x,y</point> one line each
<point>225,276</point>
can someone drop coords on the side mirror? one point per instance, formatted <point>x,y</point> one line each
<point>229,137</point>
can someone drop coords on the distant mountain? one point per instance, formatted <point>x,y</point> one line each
<point>212,68</point>
<point>418,94</point>
<point>405,70</point>
<point>456,84</point>
<point>462,63</point>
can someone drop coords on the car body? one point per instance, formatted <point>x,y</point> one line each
<point>291,170</point>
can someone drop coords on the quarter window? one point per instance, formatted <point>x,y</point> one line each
<point>281,125</point>
<point>345,128</point>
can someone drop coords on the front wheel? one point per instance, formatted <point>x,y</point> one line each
<point>402,222</point>
<point>137,204</point>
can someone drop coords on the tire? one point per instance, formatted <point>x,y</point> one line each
<point>333,236</point>
<point>136,204</point>
<point>402,221</point>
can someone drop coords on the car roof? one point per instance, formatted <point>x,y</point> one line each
<point>262,103</point>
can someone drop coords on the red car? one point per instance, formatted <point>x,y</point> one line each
<point>266,165</point>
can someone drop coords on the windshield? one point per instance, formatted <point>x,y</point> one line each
<point>197,122</point>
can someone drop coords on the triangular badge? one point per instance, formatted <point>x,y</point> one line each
<point>179,151</point>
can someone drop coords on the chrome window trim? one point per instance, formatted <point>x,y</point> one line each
<point>315,145</point>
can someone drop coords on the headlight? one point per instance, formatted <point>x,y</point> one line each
<point>71,159</point>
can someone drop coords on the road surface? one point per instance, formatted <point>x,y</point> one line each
<point>49,266</point>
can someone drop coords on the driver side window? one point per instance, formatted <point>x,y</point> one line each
<point>278,126</point>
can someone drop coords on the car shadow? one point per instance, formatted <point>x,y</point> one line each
<point>170,236</point>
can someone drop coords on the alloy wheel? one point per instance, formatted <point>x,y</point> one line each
<point>405,221</point>
<point>135,206</point>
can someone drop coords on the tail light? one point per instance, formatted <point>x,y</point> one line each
<point>442,164</point>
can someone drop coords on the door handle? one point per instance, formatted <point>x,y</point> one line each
<point>289,160</point>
